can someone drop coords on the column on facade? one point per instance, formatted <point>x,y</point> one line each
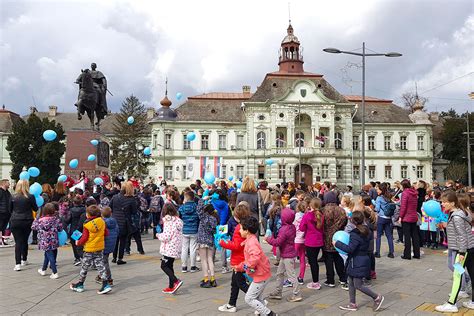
<point>331,132</point>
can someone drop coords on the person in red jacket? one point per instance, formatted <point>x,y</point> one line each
<point>241,212</point>
<point>409,218</point>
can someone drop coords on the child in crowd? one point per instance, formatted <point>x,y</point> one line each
<point>218,200</point>
<point>76,221</point>
<point>358,265</point>
<point>48,227</point>
<point>205,241</point>
<point>64,214</point>
<point>312,225</point>
<point>428,230</point>
<point>256,265</point>
<point>286,244</point>
<point>274,223</point>
<point>93,240</point>
<point>110,240</point>
<point>171,244</point>
<point>299,239</point>
<point>347,204</point>
<point>285,198</point>
<point>190,217</point>
<point>241,212</point>
<point>299,197</point>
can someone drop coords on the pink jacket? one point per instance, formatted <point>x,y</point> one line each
<point>172,236</point>
<point>299,239</point>
<point>255,259</point>
<point>409,205</point>
<point>313,236</point>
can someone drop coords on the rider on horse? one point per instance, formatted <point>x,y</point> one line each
<point>100,88</point>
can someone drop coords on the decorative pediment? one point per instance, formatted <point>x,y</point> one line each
<point>305,91</point>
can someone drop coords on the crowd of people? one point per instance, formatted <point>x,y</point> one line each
<point>200,223</point>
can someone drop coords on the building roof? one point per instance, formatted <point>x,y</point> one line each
<point>7,119</point>
<point>358,98</point>
<point>276,85</point>
<point>212,110</point>
<point>222,96</point>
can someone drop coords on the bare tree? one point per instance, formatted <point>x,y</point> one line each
<point>456,171</point>
<point>409,100</point>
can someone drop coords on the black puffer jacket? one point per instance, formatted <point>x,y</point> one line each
<point>122,209</point>
<point>5,199</point>
<point>358,262</point>
<point>77,218</point>
<point>22,207</point>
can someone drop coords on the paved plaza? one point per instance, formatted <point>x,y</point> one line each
<point>410,288</point>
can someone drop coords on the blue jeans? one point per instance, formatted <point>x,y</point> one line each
<point>50,257</point>
<point>384,225</point>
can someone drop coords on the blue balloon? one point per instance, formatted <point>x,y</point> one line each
<point>158,229</point>
<point>24,175</point>
<point>91,157</point>
<point>269,162</point>
<point>49,135</point>
<point>98,181</point>
<point>343,237</point>
<point>62,178</point>
<point>432,208</point>
<point>231,178</point>
<point>239,184</point>
<point>94,142</point>
<point>130,120</point>
<point>74,163</point>
<point>62,237</point>
<point>191,136</point>
<point>209,178</point>
<point>36,189</point>
<point>33,172</point>
<point>39,200</point>
<point>147,151</point>
<point>179,95</point>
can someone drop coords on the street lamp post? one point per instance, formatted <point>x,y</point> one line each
<point>468,134</point>
<point>363,55</point>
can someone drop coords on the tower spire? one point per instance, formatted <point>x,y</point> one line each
<point>166,102</point>
<point>291,54</point>
<point>289,13</point>
<point>166,87</point>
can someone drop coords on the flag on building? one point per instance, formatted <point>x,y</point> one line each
<point>189,167</point>
<point>203,166</point>
<point>217,167</point>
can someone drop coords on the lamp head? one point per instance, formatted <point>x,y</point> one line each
<point>332,50</point>
<point>393,54</point>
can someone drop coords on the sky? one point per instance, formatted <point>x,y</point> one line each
<point>219,46</point>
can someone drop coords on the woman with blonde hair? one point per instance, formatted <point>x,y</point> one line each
<point>248,193</point>
<point>22,205</point>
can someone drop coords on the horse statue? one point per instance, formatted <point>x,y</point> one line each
<point>89,99</point>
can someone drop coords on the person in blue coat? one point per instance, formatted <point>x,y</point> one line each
<point>110,241</point>
<point>358,262</point>
<point>219,201</point>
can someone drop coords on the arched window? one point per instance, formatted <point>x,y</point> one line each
<point>299,139</point>
<point>280,140</point>
<point>338,140</point>
<point>261,140</point>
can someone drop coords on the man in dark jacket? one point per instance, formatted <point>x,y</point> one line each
<point>5,211</point>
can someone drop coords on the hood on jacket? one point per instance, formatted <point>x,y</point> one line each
<point>94,224</point>
<point>287,216</point>
<point>188,208</point>
<point>460,213</point>
<point>219,205</point>
<point>169,218</point>
<point>48,221</point>
<point>111,223</point>
<point>411,191</point>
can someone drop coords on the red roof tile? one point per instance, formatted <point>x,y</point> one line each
<point>222,96</point>
<point>358,98</point>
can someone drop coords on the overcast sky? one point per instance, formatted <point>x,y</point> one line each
<point>206,46</point>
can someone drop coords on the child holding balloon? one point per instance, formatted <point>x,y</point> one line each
<point>358,265</point>
<point>48,227</point>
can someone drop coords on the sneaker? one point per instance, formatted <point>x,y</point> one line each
<point>114,260</point>
<point>373,275</point>
<point>205,284</point>
<point>24,263</point>
<point>98,279</point>
<point>104,289</point>
<point>77,287</point>
<point>127,253</point>
<point>227,308</point>
<point>176,286</point>
<point>447,308</point>
<point>17,267</point>
<point>167,290</point>
<point>213,283</point>
<point>390,255</point>
<point>469,305</point>
<point>194,269</point>
<point>345,286</point>
<point>226,270</point>
<point>111,282</point>
<point>329,284</point>
<point>141,252</point>
<point>378,302</point>
<point>349,307</point>
<point>294,298</point>
<point>376,255</point>
<point>275,296</point>
<point>42,272</point>
<point>198,258</point>
<point>78,262</point>
<point>463,294</point>
<point>287,283</point>
<point>314,286</point>
<point>120,261</point>
<point>54,276</point>
<point>184,269</point>
<point>300,281</point>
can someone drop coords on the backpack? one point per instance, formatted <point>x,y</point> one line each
<point>156,204</point>
<point>389,209</point>
<point>143,204</point>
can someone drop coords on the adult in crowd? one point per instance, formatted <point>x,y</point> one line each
<point>331,196</point>
<point>373,191</point>
<point>248,193</point>
<point>123,205</point>
<point>83,177</point>
<point>5,210</point>
<point>384,222</point>
<point>60,190</point>
<point>105,177</point>
<point>265,200</point>
<point>409,219</point>
<point>22,204</point>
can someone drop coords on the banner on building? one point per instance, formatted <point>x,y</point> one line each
<point>189,167</point>
<point>203,166</point>
<point>217,167</point>
<point>81,185</point>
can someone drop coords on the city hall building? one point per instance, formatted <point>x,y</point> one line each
<point>294,118</point>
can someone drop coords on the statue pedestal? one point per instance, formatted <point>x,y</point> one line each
<point>78,146</point>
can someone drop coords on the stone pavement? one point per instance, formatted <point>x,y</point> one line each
<point>410,288</point>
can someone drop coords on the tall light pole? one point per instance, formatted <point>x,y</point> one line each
<point>363,55</point>
<point>469,170</point>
